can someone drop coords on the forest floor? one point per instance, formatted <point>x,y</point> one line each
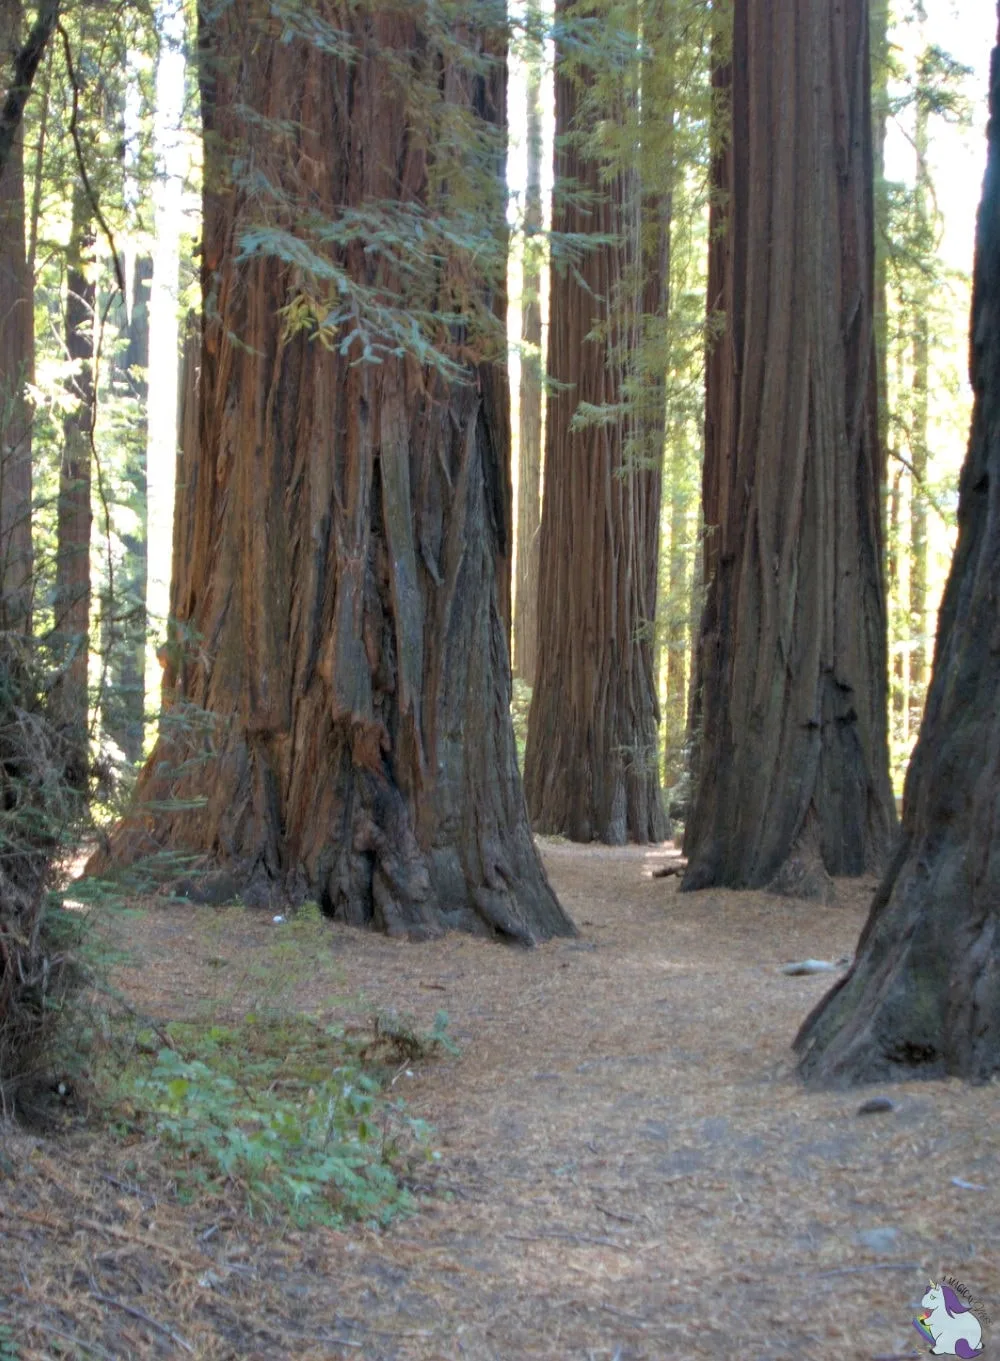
<point>628,1165</point>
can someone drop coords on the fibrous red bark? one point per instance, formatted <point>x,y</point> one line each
<point>338,669</point>
<point>16,341</point>
<point>923,996</point>
<point>591,766</point>
<point>792,774</point>
<point>529,448</point>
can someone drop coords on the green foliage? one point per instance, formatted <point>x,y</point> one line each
<point>399,1039</point>
<point>434,259</point>
<point>8,1347</point>
<point>280,1108</point>
<point>293,1113</point>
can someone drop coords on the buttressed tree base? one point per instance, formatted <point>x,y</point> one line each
<point>792,783</point>
<point>923,996</point>
<point>338,716</point>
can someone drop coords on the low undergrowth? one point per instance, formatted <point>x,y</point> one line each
<point>282,1108</point>
<point>296,1116</point>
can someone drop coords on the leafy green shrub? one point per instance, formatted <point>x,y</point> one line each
<point>399,1039</point>
<point>283,1108</point>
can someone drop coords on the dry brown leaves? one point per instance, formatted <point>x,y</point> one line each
<point>629,1167</point>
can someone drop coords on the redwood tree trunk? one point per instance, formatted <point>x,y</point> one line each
<point>339,635</point>
<point>792,778</point>
<point>920,428</point>
<point>591,768</point>
<point>529,463</point>
<point>923,996</point>
<point>72,595</point>
<point>16,360</point>
<point>127,724</point>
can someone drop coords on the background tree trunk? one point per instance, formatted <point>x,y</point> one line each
<point>72,595</point>
<point>920,429</point>
<point>591,768</point>
<point>880,126</point>
<point>793,771</point>
<point>529,458</point>
<point>721,395</point>
<point>677,630</point>
<point>17,339</point>
<point>340,622</point>
<point>923,995</point>
<point>125,630</point>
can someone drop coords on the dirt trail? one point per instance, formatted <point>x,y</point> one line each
<point>629,1168</point>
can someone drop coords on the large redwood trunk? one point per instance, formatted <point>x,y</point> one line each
<point>529,448</point>
<point>16,355</point>
<point>591,766</point>
<point>341,589</point>
<point>792,775</point>
<point>923,996</point>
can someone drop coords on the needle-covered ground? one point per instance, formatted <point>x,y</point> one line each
<point>628,1165</point>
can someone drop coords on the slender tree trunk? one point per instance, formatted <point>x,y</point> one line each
<point>21,60</point>
<point>529,468</point>
<point>880,124</point>
<point>677,631</point>
<point>38,178</point>
<point>918,442</point>
<point>125,702</point>
<point>164,339</point>
<point>720,394</point>
<point>17,342</point>
<point>897,675</point>
<point>343,542</point>
<point>793,775</point>
<point>72,596</point>
<point>591,769</point>
<point>923,996</point>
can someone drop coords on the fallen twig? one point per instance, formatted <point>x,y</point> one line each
<point>325,1339</point>
<point>143,1318</point>
<point>571,1237</point>
<point>128,1188</point>
<point>613,1214</point>
<point>858,1270</point>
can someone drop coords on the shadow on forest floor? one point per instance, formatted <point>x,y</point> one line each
<point>629,1167</point>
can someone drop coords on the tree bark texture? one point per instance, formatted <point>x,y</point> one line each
<point>920,431</point>
<point>880,56</point>
<point>720,366</point>
<point>591,766</point>
<point>792,778</point>
<point>529,455</point>
<point>125,630</point>
<point>676,639</point>
<point>923,996</point>
<point>72,593</point>
<point>337,678</point>
<point>17,339</point>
